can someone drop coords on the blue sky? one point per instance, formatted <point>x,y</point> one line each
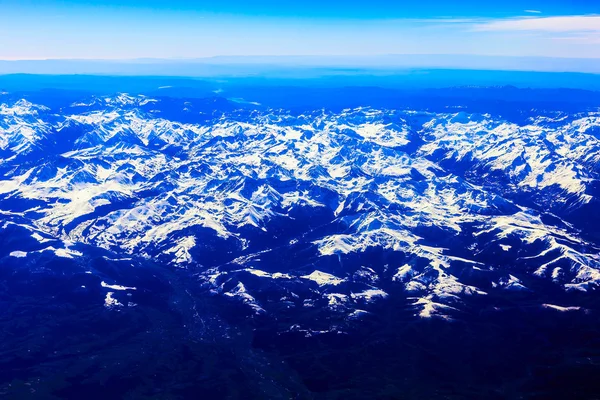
<point>112,29</point>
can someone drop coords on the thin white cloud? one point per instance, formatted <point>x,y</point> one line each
<point>577,23</point>
<point>579,39</point>
<point>533,11</point>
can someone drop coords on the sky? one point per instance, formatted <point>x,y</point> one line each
<point>177,29</point>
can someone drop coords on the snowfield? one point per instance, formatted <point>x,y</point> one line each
<point>341,209</point>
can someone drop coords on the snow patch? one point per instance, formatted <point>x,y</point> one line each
<point>323,278</point>
<point>116,287</point>
<point>111,302</point>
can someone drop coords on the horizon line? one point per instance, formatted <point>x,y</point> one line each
<point>312,56</point>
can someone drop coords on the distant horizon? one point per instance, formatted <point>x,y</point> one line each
<point>300,56</point>
<point>267,65</point>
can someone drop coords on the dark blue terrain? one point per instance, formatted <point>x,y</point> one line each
<point>356,237</point>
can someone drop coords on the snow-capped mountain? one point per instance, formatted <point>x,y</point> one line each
<point>329,212</point>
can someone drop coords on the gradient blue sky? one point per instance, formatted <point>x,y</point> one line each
<point>112,29</point>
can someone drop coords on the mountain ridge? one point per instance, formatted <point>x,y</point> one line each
<point>448,198</point>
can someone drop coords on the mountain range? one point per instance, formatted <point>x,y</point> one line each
<point>314,223</point>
